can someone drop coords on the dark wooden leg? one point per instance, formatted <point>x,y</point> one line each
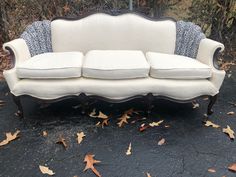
<point>149,100</point>
<point>212,102</point>
<point>17,101</point>
<point>84,103</point>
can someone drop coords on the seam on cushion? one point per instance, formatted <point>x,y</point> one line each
<point>185,77</point>
<point>50,68</point>
<point>67,77</point>
<point>181,68</point>
<point>115,69</point>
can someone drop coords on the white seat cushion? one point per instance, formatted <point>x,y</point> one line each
<point>115,64</point>
<point>51,65</point>
<point>176,67</point>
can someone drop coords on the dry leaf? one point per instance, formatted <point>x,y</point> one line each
<point>46,170</point>
<point>98,123</point>
<point>123,120</point>
<point>143,127</point>
<point>148,175</point>
<point>62,141</point>
<point>93,113</point>
<point>102,116</point>
<point>10,137</point>
<point>130,112</point>
<point>167,126</point>
<point>128,152</point>
<point>209,123</point>
<point>80,137</point>
<point>155,124</point>
<point>45,133</point>
<point>90,161</point>
<point>230,113</point>
<point>232,167</point>
<point>105,122</point>
<point>211,170</point>
<point>66,8</point>
<point>229,131</point>
<point>161,142</point>
<point>195,104</point>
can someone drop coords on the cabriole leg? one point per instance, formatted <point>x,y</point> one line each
<point>84,103</point>
<point>17,101</point>
<point>149,100</point>
<point>211,103</point>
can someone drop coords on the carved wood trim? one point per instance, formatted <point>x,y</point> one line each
<point>115,13</point>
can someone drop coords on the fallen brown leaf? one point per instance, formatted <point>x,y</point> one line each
<point>143,127</point>
<point>66,8</point>
<point>45,133</point>
<point>62,141</point>
<point>105,122</point>
<point>230,113</point>
<point>80,137</point>
<point>161,142</point>
<point>100,115</point>
<point>128,152</point>
<point>10,137</point>
<point>98,124</point>
<point>123,120</point>
<point>148,175</point>
<point>46,170</point>
<point>210,124</point>
<point>90,161</point>
<point>93,113</point>
<point>167,126</point>
<point>211,170</point>
<point>229,131</point>
<point>226,65</point>
<point>232,167</point>
<point>130,112</point>
<point>155,124</point>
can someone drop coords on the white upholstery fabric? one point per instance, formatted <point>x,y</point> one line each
<point>105,32</point>
<point>20,49</point>
<point>115,89</point>
<point>11,78</point>
<point>115,64</point>
<point>205,54</point>
<point>51,65</point>
<point>176,67</point>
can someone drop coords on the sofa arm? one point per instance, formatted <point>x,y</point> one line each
<point>208,53</point>
<point>18,51</point>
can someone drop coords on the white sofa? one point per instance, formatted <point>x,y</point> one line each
<point>114,58</point>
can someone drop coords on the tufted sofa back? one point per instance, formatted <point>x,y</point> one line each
<point>103,32</point>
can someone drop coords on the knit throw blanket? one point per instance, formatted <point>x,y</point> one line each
<point>188,37</point>
<point>38,37</point>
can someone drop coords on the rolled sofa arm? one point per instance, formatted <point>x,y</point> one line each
<point>208,53</point>
<point>18,51</point>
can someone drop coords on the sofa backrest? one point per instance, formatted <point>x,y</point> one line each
<point>103,32</point>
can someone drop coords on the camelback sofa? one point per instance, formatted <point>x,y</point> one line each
<point>115,58</point>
